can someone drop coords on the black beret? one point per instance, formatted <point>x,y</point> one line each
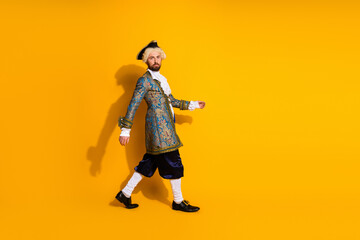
<point>152,44</point>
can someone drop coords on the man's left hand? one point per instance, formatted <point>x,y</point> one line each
<point>201,104</point>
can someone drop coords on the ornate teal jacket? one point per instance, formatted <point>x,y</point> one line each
<point>160,134</point>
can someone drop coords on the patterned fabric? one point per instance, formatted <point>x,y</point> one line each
<point>160,134</point>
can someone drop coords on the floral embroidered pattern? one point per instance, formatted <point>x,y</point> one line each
<point>182,104</point>
<point>160,134</point>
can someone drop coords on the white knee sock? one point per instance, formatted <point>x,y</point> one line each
<point>134,180</point>
<point>176,188</point>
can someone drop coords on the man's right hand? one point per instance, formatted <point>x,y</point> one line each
<point>124,140</point>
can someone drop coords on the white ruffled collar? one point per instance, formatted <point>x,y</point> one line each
<point>163,81</point>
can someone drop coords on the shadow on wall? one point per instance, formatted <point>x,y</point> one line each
<point>153,189</point>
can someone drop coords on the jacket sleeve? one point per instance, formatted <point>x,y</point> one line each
<point>182,104</point>
<point>139,93</point>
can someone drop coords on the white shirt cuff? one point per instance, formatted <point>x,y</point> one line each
<point>193,105</point>
<point>125,132</point>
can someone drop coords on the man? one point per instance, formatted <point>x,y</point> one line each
<point>161,140</point>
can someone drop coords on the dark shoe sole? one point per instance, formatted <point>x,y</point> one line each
<point>186,211</point>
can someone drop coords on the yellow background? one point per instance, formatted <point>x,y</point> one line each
<point>274,155</point>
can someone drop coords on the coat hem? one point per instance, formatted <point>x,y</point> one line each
<point>165,150</point>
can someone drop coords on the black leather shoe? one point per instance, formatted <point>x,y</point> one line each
<point>184,206</point>
<point>126,201</point>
